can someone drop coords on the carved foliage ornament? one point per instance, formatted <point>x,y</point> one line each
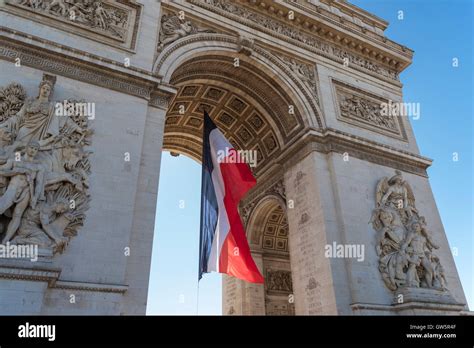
<point>403,243</point>
<point>44,167</point>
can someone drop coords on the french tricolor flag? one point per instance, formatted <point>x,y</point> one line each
<point>223,244</point>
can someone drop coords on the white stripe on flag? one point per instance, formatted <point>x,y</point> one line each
<point>218,142</point>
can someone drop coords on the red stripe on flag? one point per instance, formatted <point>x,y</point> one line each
<point>235,258</point>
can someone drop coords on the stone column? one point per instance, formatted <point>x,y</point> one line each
<point>243,298</point>
<point>253,302</point>
<point>141,235</point>
<point>320,284</point>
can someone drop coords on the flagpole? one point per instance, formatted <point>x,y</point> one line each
<point>202,207</point>
<point>197,302</point>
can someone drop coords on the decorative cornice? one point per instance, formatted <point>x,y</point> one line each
<point>161,99</point>
<point>33,273</point>
<point>335,141</point>
<point>27,271</point>
<point>135,82</point>
<point>94,287</point>
<point>55,47</point>
<point>351,18</point>
<point>339,50</point>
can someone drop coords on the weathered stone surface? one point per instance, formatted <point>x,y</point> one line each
<point>299,92</point>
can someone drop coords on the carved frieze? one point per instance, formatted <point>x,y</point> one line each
<point>296,35</point>
<point>114,22</point>
<point>44,166</point>
<point>278,281</point>
<point>404,244</point>
<point>365,110</point>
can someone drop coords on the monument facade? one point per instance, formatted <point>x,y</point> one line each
<point>93,91</point>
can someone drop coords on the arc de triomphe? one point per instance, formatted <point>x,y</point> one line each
<point>302,83</point>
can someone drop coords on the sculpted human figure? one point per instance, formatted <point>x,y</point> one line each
<point>392,260</point>
<point>41,225</point>
<point>174,28</point>
<point>403,243</point>
<point>26,185</point>
<point>6,147</point>
<point>418,247</point>
<point>439,278</point>
<point>100,15</point>
<point>80,10</point>
<point>36,120</point>
<point>32,3</point>
<point>43,166</point>
<point>57,6</point>
<point>396,194</point>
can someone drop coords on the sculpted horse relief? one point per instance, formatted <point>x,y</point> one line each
<point>44,169</point>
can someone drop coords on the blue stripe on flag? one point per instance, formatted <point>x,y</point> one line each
<point>209,207</point>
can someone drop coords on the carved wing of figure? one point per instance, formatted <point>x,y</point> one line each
<point>380,191</point>
<point>410,195</point>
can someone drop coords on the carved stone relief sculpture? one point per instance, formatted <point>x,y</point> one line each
<point>305,72</point>
<point>404,244</point>
<point>174,28</point>
<point>278,280</point>
<point>113,20</point>
<point>44,168</point>
<point>234,9</point>
<point>365,110</point>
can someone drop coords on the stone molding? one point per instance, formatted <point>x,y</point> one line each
<point>161,99</point>
<point>410,306</point>
<point>94,287</point>
<point>27,271</point>
<point>301,83</point>
<point>335,141</point>
<point>137,82</point>
<point>364,29</point>
<point>49,275</point>
<point>342,49</point>
<point>255,196</point>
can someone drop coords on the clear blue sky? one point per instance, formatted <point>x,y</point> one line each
<point>438,31</point>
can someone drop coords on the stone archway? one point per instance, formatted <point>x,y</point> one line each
<point>260,104</point>
<point>268,231</point>
<point>249,102</point>
<point>306,95</point>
